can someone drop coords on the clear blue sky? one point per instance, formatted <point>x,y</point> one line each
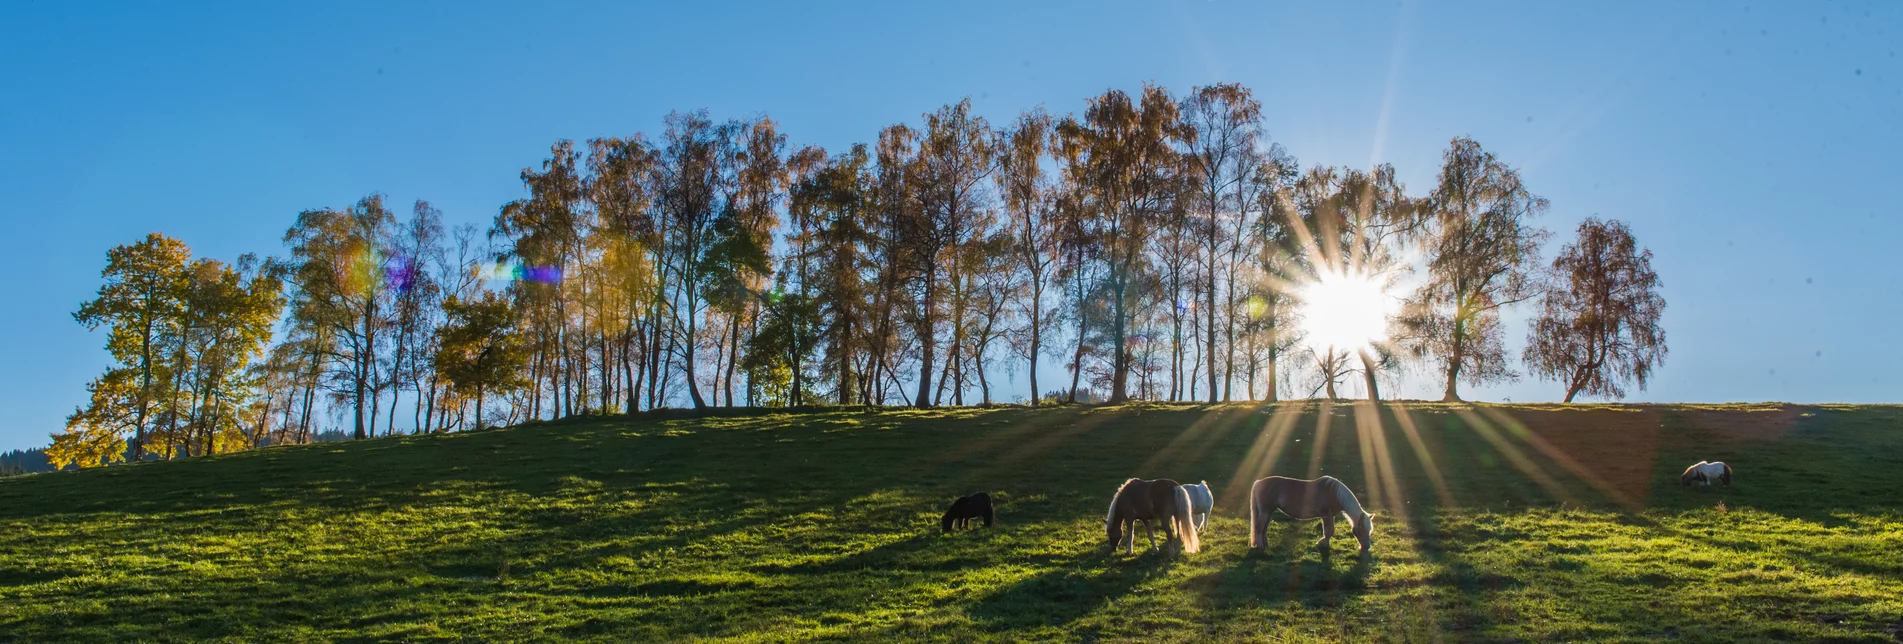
<point>1752,148</point>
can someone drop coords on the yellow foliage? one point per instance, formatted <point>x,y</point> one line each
<point>86,445</point>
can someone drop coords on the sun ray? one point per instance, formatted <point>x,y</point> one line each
<point>1558,456</point>
<point>1261,458</point>
<point>1404,417</point>
<point>1324,416</point>
<point>1218,417</point>
<point>1514,455</point>
<point>1376,459</point>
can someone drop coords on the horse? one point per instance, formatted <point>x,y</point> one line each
<point>966,508</point>
<point>1704,472</point>
<point>1305,499</point>
<point>1200,501</point>
<point>1157,500</point>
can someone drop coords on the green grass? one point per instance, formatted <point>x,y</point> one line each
<point>1544,523</point>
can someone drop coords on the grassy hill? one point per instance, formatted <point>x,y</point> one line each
<point>1512,522</point>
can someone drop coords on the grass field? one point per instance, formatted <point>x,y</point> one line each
<point>1496,523</point>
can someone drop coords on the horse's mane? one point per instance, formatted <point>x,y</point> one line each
<point>1694,466</point>
<point>1111,516</point>
<point>1350,505</point>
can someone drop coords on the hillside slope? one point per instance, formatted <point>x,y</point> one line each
<point>1495,522</point>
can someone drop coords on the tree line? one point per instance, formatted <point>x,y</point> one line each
<point>1154,246</point>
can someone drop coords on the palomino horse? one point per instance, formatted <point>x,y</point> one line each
<point>1200,501</point>
<point>1704,472</point>
<point>966,508</point>
<point>1158,500</point>
<point>1304,499</point>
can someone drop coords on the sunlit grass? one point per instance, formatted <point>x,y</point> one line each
<point>823,526</point>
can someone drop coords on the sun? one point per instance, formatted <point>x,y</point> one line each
<point>1345,311</point>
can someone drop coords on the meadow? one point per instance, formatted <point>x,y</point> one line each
<point>1494,523</point>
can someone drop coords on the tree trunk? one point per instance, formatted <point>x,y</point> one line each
<point>1275,347</point>
<point>927,343</point>
<point>1331,371</point>
<point>733,358</point>
<point>1209,351</point>
<point>1037,344</point>
<point>1120,362</point>
<point>1453,363</point>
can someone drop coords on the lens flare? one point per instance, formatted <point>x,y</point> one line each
<point>1345,311</point>
<point>520,273</point>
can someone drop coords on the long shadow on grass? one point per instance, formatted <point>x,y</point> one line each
<point>1288,569</point>
<point>1070,589</point>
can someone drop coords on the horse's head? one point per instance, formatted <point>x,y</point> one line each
<point>944,523</point>
<point>1113,530</point>
<point>1364,531</point>
<point>1690,476</point>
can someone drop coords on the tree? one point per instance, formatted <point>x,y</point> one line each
<point>953,160</point>
<point>1222,129</point>
<point>1277,257</point>
<point>340,262</point>
<point>1598,327</point>
<point>1126,162</point>
<point>545,239</point>
<point>1034,240</point>
<point>787,323</point>
<point>834,205</point>
<point>741,259</point>
<point>184,333</point>
<point>480,350</point>
<point>229,314</point>
<point>418,246</point>
<point>95,434</point>
<point>689,196</point>
<point>1481,256</point>
<point>144,296</point>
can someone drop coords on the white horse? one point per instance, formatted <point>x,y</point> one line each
<point>1706,472</point>
<point>1200,501</point>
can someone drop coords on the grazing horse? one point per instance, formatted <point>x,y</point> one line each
<point>1200,501</point>
<point>966,508</point>
<point>1147,501</point>
<point>1704,472</point>
<point>1304,499</point>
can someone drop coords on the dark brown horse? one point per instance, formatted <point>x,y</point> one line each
<point>1305,499</point>
<point>1147,501</point>
<point>966,508</point>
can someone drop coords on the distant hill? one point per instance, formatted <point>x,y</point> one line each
<point>24,461</point>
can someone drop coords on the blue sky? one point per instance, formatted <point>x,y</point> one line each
<point>1751,147</point>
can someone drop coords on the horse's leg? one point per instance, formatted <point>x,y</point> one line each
<point>1130,526</point>
<point>1328,532</point>
<point>1149,530</point>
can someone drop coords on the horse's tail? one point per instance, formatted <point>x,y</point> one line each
<point>1186,522</point>
<point>1258,520</point>
<point>1727,474</point>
